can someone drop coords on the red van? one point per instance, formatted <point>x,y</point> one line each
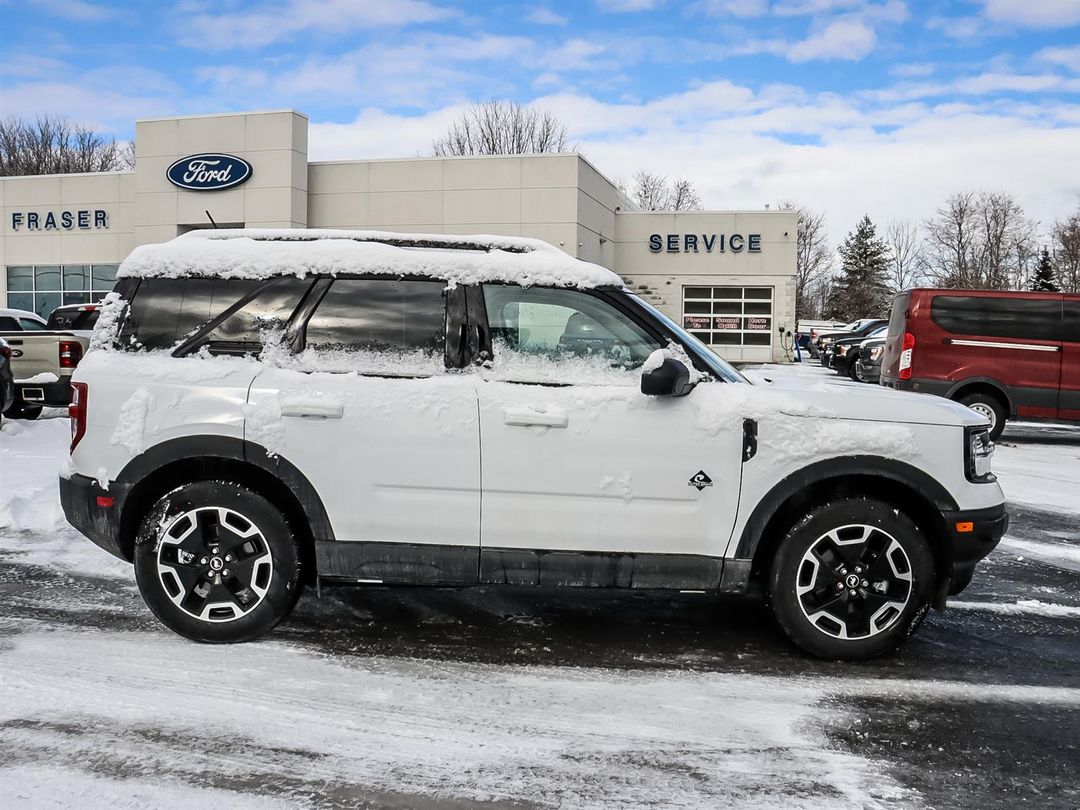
<point>1007,355</point>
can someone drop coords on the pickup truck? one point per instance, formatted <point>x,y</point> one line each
<point>43,359</point>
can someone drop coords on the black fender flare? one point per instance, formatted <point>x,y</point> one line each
<point>990,382</point>
<point>835,469</point>
<point>202,448</point>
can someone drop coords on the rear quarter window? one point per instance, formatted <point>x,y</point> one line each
<point>165,311</point>
<point>1017,318</point>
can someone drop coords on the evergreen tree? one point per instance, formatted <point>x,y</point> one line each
<point>1043,280</point>
<point>861,290</point>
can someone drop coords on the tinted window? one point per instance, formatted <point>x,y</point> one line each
<point>83,319</point>
<point>30,325</point>
<point>164,311</point>
<point>1071,324</point>
<point>1024,319</point>
<point>379,315</point>
<point>898,316</point>
<point>268,311</point>
<point>9,324</point>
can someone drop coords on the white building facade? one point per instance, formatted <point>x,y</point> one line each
<point>727,276</point>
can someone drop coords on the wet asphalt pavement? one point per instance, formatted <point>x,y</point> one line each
<point>1016,744</point>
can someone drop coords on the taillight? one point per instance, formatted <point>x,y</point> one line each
<point>905,356</point>
<point>70,353</point>
<point>77,411</point>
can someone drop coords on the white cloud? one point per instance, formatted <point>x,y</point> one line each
<point>1068,57</point>
<point>627,5</point>
<point>912,70</point>
<point>1034,13</point>
<point>845,38</point>
<point>542,15</point>
<point>733,8</point>
<point>261,25</point>
<point>78,10</point>
<point>959,28</point>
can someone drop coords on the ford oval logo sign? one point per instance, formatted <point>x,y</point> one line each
<point>209,172</point>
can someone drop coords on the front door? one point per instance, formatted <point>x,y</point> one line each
<point>585,480</point>
<point>388,438</point>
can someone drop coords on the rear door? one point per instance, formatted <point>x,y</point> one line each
<point>587,481</point>
<point>1069,395</point>
<point>388,437</point>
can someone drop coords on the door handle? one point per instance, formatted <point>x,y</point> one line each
<point>313,410</point>
<point>527,418</point>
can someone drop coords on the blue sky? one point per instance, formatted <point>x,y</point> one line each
<point>848,106</point>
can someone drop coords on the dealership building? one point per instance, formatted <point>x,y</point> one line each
<point>727,276</point>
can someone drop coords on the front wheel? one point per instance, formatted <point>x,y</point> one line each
<point>990,407</point>
<point>852,579</point>
<point>217,562</point>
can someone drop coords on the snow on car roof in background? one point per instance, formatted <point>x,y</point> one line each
<point>254,254</point>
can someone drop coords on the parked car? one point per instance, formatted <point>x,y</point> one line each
<point>281,408</point>
<point>7,379</point>
<point>844,352</point>
<point>42,360</point>
<point>79,319</point>
<point>1006,355</point>
<point>860,328</point>
<point>868,366</point>
<point>19,320</point>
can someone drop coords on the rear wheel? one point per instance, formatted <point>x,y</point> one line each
<point>217,562</point>
<point>989,406</point>
<point>852,579</point>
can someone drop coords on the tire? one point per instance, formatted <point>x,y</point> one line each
<point>853,371</point>
<point>989,406</point>
<point>20,410</point>
<point>830,614</point>
<point>236,594</point>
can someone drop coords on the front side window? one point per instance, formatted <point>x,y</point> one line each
<point>562,336</point>
<point>392,327</point>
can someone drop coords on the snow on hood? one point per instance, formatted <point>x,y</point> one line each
<point>841,399</point>
<point>260,253</point>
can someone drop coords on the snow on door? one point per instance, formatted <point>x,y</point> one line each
<point>575,457</point>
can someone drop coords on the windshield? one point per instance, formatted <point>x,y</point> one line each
<point>717,364</point>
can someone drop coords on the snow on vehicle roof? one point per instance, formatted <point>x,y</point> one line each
<point>262,253</point>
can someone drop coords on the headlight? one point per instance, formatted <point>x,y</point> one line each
<point>980,455</point>
<point>876,352</point>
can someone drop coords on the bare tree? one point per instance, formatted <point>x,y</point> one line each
<point>813,259</point>
<point>906,259</point>
<point>1066,235</point>
<point>51,144</point>
<point>653,192</point>
<point>503,128</point>
<point>950,242</point>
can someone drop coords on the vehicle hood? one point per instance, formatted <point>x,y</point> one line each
<point>841,399</point>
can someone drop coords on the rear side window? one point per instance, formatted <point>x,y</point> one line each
<point>165,311</point>
<point>378,326</point>
<point>9,324</point>
<point>1070,326</point>
<point>79,319</point>
<point>898,316</point>
<point>1018,318</point>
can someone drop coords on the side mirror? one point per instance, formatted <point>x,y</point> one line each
<point>669,379</point>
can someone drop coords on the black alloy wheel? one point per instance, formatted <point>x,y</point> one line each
<point>852,579</point>
<point>217,562</point>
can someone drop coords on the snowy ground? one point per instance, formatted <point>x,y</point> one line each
<point>520,698</point>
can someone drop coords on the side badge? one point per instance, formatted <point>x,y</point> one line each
<point>700,480</point>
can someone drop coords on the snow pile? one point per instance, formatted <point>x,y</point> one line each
<point>30,455</point>
<point>1022,607</point>
<point>43,378</point>
<point>557,368</point>
<point>266,254</point>
<point>108,323</point>
<point>130,430</point>
<point>1049,479</point>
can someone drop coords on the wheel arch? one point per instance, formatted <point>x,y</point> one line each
<point>982,385</point>
<point>199,458</point>
<point>904,486</point>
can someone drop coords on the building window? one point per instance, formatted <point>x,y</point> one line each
<point>729,316</point>
<point>42,288</point>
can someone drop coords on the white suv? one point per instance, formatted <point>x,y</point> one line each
<point>265,409</point>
